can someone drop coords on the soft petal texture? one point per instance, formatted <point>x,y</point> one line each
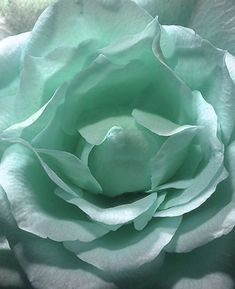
<point>11,54</point>
<point>121,163</point>
<point>43,75</point>
<point>33,125</point>
<point>210,266</point>
<point>95,133</point>
<point>184,176</point>
<point>213,20</point>
<point>230,62</point>
<point>11,275</point>
<point>212,220</point>
<point>10,64</point>
<point>33,204</point>
<point>152,85</point>
<point>216,280</point>
<point>48,265</point>
<point>203,68</point>
<point>127,249</point>
<point>171,156</point>
<point>80,23</point>
<point>110,215</point>
<point>70,167</point>
<point>157,124</point>
<point>169,12</point>
<point>212,170</point>
<point>120,63</point>
<point>94,93</point>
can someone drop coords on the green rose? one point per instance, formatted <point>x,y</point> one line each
<point>117,147</point>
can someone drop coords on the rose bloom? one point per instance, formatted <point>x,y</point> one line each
<point>117,147</point>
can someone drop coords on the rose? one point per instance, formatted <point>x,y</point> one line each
<point>88,92</point>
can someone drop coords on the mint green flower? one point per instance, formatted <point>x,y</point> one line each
<point>117,142</point>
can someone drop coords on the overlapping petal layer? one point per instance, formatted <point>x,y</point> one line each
<point>71,86</point>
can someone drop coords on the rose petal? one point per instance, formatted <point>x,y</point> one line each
<point>214,219</point>
<point>11,49</point>
<point>33,204</point>
<point>125,249</point>
<point>48,265</point>
<point>112,215</point>
<point>10,272</point>
<point>80,23</point>
<point>203,68</point>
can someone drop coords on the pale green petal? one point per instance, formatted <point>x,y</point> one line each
<point>48,265</point>
<point>95,133</point>
<point>43,75</point>
<point>121,163</point>
<point>106,21</point>
<point>6,219</point>
<point>186,173</point>
<point>11,49</point>
<point>11,275</point>
<point>210,266</point>
<point>214,219</point>
<point>133,46</point>
<point>10,62</point>
<point>202,191</point>
<point>141,221</point>
<point>157,123</point>
<point>100,92</point>
<point>216,280</point>
<point>152,87</point>
<point>180,184</point>
<point>64,184</point>
<point>33,125</point>
<point>230,62</point>
<point>212,170</point>
<point>171,156</point>
<point>127,249</point>
<point>170,11</point>
<point>112,214</point>
<point>33,204</point>
<point>70,167</point>
<point>215,21</point>
<point>203,68</point>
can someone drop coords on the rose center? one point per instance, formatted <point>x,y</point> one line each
<point>121,163</point>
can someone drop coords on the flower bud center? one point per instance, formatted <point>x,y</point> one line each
<point>121,163</point>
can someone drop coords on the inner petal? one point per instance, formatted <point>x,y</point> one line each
<point>121,163</point>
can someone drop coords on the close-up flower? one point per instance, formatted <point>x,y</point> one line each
<point>117,146</point>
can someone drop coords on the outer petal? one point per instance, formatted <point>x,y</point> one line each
<point>214,219</point>
<point>211,266</point>
<point>48,265</point>
<point>213,20</point>
<point>127,249</point>
<point>106,21</point>
<point>169,12</point>
<point>203,68</point>
<point>100,211</point>
<point>11,275</point>
<point>212,170</point>
<point>33,204</point>
<point>10,62</point>
<point>43,75</point>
